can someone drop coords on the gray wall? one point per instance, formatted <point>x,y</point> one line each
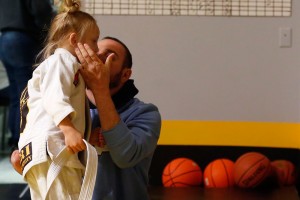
<point>213,68</point>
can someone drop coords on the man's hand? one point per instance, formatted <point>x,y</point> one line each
<point>94,137</point>
<point>15,161</point>
<point>95,73</point>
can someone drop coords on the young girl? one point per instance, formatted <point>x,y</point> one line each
<point>54,109</point>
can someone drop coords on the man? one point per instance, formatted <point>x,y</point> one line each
<point>4,95</point>
<point>23,26</point>
<point>125,129</point>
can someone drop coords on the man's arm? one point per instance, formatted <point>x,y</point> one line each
<point>97,77</point>
<point>135,138</point>
<point>106,109</point>
<point>131,141</point>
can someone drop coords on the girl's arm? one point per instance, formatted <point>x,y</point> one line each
<point>73,138</point>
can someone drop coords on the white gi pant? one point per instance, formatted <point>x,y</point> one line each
<point>66,186</point>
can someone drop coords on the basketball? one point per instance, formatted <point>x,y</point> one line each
<point>250,169</point>
<point>219,174</point>
<point>284,171</point>
<point>182,172</point>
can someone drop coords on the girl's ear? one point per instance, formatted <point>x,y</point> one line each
<point>73,39</point>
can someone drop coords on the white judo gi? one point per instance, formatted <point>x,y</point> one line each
<point>55,91</point>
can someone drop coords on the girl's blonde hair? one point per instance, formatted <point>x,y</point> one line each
<point>70,19</point>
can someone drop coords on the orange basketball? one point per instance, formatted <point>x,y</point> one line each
<point>182,172</point>
<point>250,169</point>
<point>284,171</point>
<point>219,174</point>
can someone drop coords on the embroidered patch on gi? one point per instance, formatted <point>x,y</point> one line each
<point>26,155</point>
<point>76,78</point>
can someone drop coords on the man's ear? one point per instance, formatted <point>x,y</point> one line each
<point>73,39</point>
<point>126,74</point>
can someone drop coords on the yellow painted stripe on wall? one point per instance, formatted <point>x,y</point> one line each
<point>219,133</point>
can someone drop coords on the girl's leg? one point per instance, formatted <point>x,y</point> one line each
<point>67,184</point>
<point>36,178</point>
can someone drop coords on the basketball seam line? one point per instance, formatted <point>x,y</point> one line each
<point>241,178</point>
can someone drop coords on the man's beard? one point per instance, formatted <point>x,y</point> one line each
<point>115,81</point>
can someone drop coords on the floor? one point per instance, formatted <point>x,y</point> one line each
<point>12,185</point>
<point>195,193</point>
<point>7,174</point>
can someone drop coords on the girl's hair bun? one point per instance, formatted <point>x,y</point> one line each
<point>70,6</point>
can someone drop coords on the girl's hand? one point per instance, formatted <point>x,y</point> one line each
<point>74,141</point>
<point>73,138</point>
